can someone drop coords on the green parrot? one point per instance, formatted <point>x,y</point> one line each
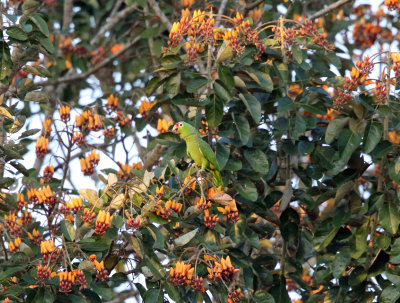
<point>199,150</point>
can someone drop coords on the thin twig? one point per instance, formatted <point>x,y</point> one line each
<point>254,4</point>
<point>328,9</point>
<point>92,70</point>
<point>112,22</point>
<point>156,8</point>
<point>222,8</point>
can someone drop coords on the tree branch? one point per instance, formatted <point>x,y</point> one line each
<point>156,8</point>
<point>111,22</point>
<point>328,9</point>
<point>92,70</point>
<point>254,4</point>
<point>153,157</point>
<point>67,18</point>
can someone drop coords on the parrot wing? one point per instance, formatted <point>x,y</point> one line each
<point>208,153</point>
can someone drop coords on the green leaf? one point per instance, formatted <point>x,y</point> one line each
<point>263,297</point>
<point>31,4</point>
<point>173,84</point>
<point>44,295</point>
<point>252,105</point>
<point>17,33</point>
<point>222,153</point>
<point>172,291</point>
<point>195,84</point>
<point>236,231</point>
<point>29,132</point>
<point>334,128</point>
<point>47,44</point>
<point>171,61</point>
<point>389,217</point>
<point>36,97</point>
<point>389,295</point>
<point>68,230</point>
<point>243,128</point>
<point>247,189</point>
<point>39,22</point>
<point>395,252</point>
<point>226,77</point>
<point>6,62</point>
<point>342,259</point>
<point>221,91</point>
<point>186,237</point>
<point>358,275</point>
<point>297,54</point>
<point>153,296</point>
<point>372,136</point>
<point>214,111</point>
<point>94,246</point>
<point>37,70</point>
<point>323,236</point>
<point>257,160</point>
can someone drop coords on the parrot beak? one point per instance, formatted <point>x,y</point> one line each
<point>175,129</point>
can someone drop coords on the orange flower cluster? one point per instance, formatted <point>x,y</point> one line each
<point>392,4</point>
<point>78,139</point>
<point>109,133</point>
<point>166,211</point>
<point>33,195</point>
<point>182,274</point>
<point>145,107</point>
<point>26,217</point>
<point>189,184</point>
<point>80,279</point>
<point>49,251</point>
<point>112,103</point>
<point>75,204</point>
<point>163,125</point>
<point>125,170</point>
<point>66,281</point>
<point>102,272</point>
<point>21,201</point>
<point>88,215</point>
<point>210,220</point>
<point>46,196</point>
<point>365,34</point>
<point>358,77</point>
<point>396,65</point>
<point>13,224</point>
<point>42,147</point>
<point>48,173</point>
<point>122,120</point>
<point>235,296</point>
<point>46,128</point>
<point>35,237</point>
<point>65,113</point>
<point>160,191</point>
<point>14,246</point>
<point>308,29</point>
<point>103,222</point>
<point>380,92</point>
<point>89,119</point>
<point>223,269</point>
<point>230,211</point>
<point>89,163</point>
<point>43,273</point>
<point>187,3</point>
<point>134,223</point>
<point>203,204</point>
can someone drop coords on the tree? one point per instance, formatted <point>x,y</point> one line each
<point>306,139</point>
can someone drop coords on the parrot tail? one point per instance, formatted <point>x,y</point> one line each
<point>216,177</point>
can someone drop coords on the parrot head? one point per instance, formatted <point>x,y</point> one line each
<point>183,129</point>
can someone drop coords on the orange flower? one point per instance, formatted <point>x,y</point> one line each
<point>112,103</point>
<point>78,139</point>
<point>210,220</point>
<point>176,207</point>
<point>187,3</point>
<point>230,211</point>
<point>145,107</point>
<point>48,173</point>
<point>103,222</point>
<point>134,223</point>
<point>223,270</point>
<point>46,196</point>
<point>189,184</point>
<point>46,128</point>
<point>42,147</point>
<point>14,246</point>
<point>203,204</point>
<point>125,170</point>
<point>75,204</point>
<point>181,274</point>
<point>43,273</point>
<point>163,125</point>
<point>116,48</point>
<point>21,201</point>
<point>160,191</point>
<point>88,215</point>
<point>66,280</point>
<point>65,113</point>
<point>35,237</point>
<point>392,4</point>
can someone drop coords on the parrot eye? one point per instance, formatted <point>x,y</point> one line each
<point>180,124</point>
